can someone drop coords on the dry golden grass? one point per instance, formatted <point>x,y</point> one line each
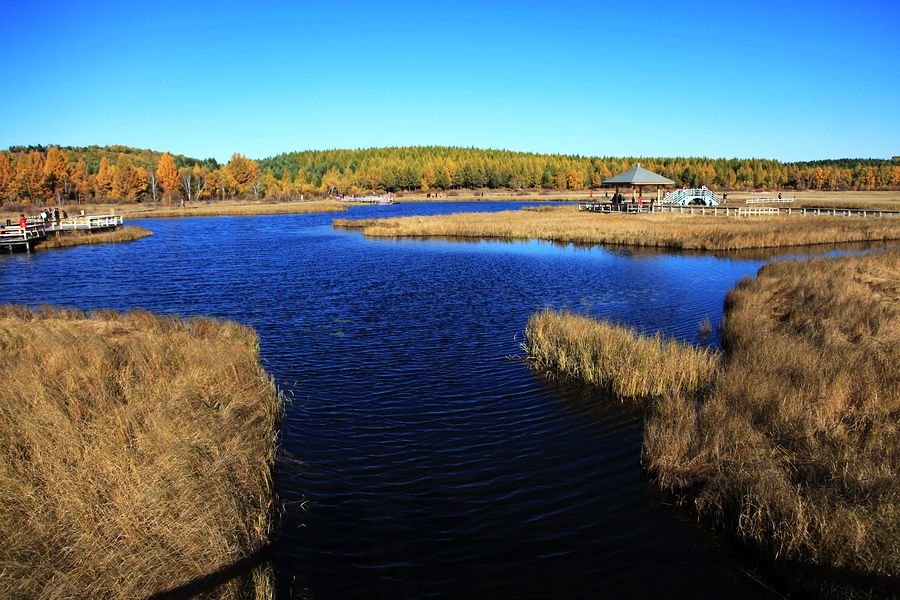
<point>135,454</point>
<point>795,447</point>
<point>661,230</point>
<point>233,208</point>
<point>129,233</point>
<point>799,443</point>
<point>616,358</point>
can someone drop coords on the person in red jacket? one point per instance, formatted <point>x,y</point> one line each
<point>23,222</point>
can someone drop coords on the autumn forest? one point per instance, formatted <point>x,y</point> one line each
<point>38,174</point>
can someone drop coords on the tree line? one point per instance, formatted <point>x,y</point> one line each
<point>36,174</point>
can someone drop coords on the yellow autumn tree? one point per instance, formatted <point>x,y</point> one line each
<point>27,178</point>
<point>287,184</point>
<point>103,179</point>
<point>56,182</point>
<point>6,177</point>
<point>127,182</point>
<point>167,174</point>
<point>81,180</point>
<point>244,172</point>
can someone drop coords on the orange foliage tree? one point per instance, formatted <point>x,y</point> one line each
<point>167,174</point>
<point>244,172</point>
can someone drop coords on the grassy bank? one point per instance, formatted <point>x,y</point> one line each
<point>149,210</point>
<point>616,358</point>
<point>129,233</point>
<point>689,232</point>
<point>135,455</point>
<point>231,208</point>
<point>795,447</point>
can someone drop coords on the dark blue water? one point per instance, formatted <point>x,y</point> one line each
<point>420,457</point>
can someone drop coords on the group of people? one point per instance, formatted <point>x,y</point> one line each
<point>47,216</point>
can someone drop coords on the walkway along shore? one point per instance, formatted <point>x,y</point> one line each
<point>67,232</point>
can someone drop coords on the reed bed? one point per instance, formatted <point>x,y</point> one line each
<point>661,230</point>
<point>794,446</point>
<point>128,233</point>
<point>238,209</point>
<point>798,445</point>
<point>135,455</point>
<point>616,358</point>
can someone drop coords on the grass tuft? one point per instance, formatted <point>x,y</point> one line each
<point>661,230</point>
<point>128,233</point>
<point>616,358</point>
<point>135,454</point>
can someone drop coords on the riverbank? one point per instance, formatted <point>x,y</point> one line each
<point>128,233</point>
<point>662,230</point>
<point>871,200</point>
<point>237,208</point>
<point>149,210</point>
<point>137,456</point>
<point>793,448</point>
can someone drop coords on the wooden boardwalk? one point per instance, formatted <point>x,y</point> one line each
<point>14,237</point>
<point>732,211</point>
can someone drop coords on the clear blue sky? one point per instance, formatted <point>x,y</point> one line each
<point>792,80</point>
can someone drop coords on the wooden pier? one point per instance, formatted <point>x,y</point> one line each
<point>14,237</point>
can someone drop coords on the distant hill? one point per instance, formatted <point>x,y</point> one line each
<point>35,173</point>
<point>441,167</point>
<point>140,157</point>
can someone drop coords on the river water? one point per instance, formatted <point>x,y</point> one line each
<point>421,457</point>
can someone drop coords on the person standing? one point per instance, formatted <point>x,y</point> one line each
<point>23,222</point>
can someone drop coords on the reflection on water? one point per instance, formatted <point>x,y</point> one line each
<point>418,459</point>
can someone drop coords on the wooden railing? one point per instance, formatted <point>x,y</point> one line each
<point>732,211</point>
<point>766,200</point>
<point>15,234</point>
<point>86,223</point>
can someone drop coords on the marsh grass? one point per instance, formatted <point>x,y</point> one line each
<point>661,230</point>
<point>794,445</point>
<point>135,454</point>
<point>234,208</point>
<point>616,358</point>
<point>128,233</point>
<point>798,445</point>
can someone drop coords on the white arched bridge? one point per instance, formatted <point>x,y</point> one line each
<point>692,197</point>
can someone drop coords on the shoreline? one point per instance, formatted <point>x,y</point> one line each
<point>769,446</point>
<point>663,230</point>
<point>874,200</point>
<point>126,233</point>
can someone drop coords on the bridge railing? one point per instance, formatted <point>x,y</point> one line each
<point>682,196</point>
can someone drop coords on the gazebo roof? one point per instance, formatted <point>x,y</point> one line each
<point>638,176</point>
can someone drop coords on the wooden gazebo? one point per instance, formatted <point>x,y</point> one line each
<point>638,177</point>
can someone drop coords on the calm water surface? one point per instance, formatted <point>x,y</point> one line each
<point>421,458</point>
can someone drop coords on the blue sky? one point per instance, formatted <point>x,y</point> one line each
<point>792,81</point>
